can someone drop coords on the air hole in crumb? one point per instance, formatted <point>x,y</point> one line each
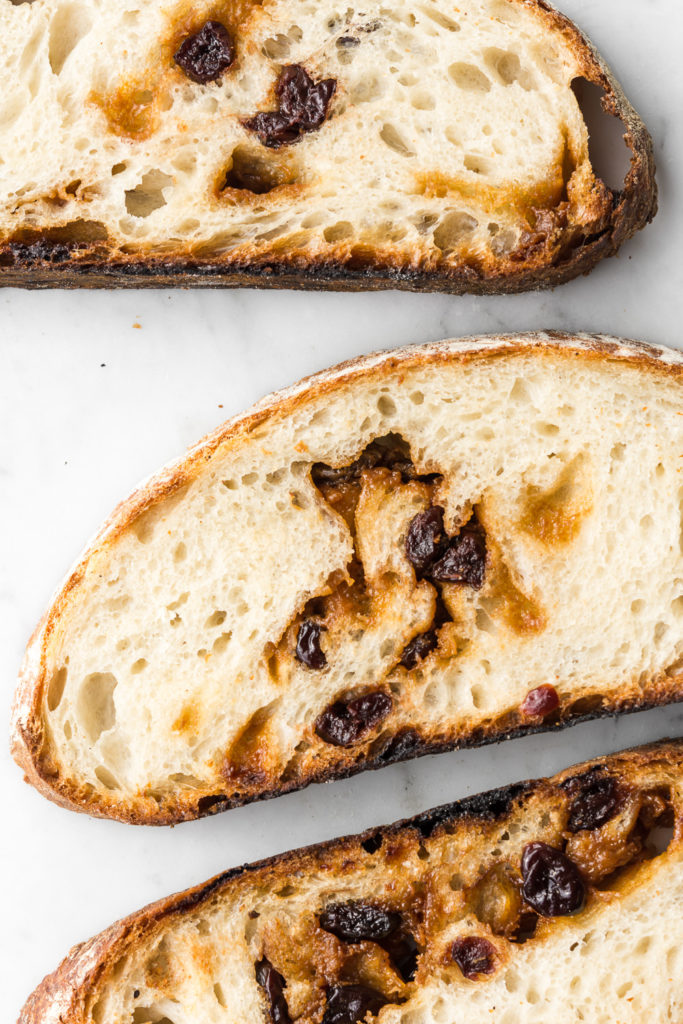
<point>138,666</point>
<point>476,164</point>
<point>106,777</point>
<point>221,642</point>
<point>55,690</point>
<point>338,232</point>
<point>276,48</point>
<point>96,708</point>
<point>609,155</point>
<point>252,171</point>
<point>147,196</point>
<point>440,19</point>
<point>469,77</point>
<point>453,229</point>
<point>386,405</point>
<point>391,137</point>
<point>478,693</point>
<point>507,67</point>
<point>220,995</point>
<point>70,23</point>
<point>366,89</point>
<point>217,618</point>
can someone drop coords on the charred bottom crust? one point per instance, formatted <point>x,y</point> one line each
<point>511,727</point>
<point>43,263</point>
<point>64,994</point>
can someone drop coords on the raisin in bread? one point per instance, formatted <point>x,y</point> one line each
<point>556,900</point>
<point>296,143</point>
<point>433,547</point>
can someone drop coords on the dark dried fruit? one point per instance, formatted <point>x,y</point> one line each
<point>365,922</point>
<point>404,744</point>
<point>403,952</point>
<point>552,884</point>
<point>359,922</point>
<point>302,107</point>
<point>389,452</point>
<point>308,650</point>
<point>273,984</point>
<point>596,799</point>
<point>465,559</point>
<point>426,538</point>
<point>205,55</point>
<point>345,722</point>
<point>540,702</point>
<point>419,648</point>
<point>474,956</point>
<point>347,1004</point>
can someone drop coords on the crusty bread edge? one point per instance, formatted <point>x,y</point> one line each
<point>43,264</point>
<point>27,731</point>
<point>61,997</point>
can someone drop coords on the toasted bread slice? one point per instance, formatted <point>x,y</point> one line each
<point>425,146</point>
<point>560,899</point>
<point>439,546</point>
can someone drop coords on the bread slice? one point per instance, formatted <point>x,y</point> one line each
<point>261,614</point>
<point>292,143</point>
<point>555,900</point>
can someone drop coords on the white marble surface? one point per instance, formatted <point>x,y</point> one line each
<point>90,402</point>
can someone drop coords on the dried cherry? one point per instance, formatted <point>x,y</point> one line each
<point>552,884</point>
<point>347,1004</point>
<point>308,650</point>
<point>474,956</point>
<point>302,107</point>
<point>273,984</point>
<point>205,55</point>
<point>345,722</point>
<point>541,701</point>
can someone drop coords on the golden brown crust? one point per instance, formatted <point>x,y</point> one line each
<point>49,259</point>
<point>28,736</point>
<point>62,996</point>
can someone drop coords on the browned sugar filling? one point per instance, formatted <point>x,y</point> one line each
<point>348,958</point>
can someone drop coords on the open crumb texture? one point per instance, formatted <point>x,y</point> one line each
<point>435,547</point>
<point>446,917</point>
<point>451,150</point>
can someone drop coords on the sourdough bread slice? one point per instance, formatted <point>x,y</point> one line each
<point>555,900</point>
<point>432,547</point>
<point>290,142</point>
